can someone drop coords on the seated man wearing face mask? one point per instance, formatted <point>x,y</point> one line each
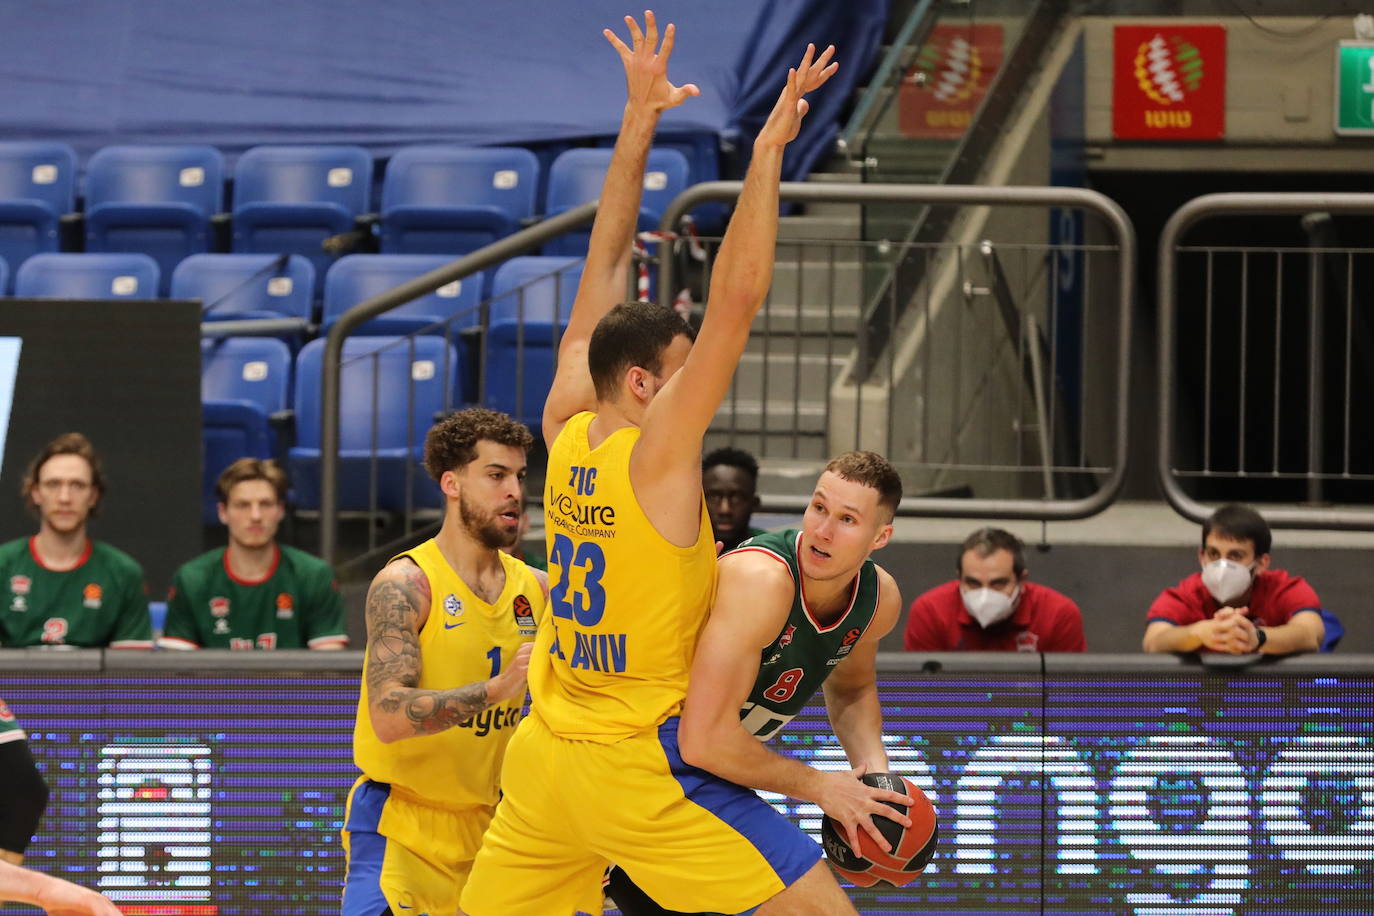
<point>992,607</point>
<point>1236,603</point>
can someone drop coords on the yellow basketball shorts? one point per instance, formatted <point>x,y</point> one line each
<point>692,841</point>
<point>404,855</point>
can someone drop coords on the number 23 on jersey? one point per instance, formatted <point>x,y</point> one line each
<point>584,606</point>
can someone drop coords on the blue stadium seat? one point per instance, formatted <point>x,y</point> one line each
<point>243,382</point>
<point>388,372</point>
<point>157,200</point>
<point>289,199</point>
<point>358,277</point>
<point>57,275</point>
<point>538,292</point>
<point>702,149</point>
<point>4,276</point>
<point>576,177</point>
<point>37,186</point>
<point>453,200</point>
<point>246,285</point>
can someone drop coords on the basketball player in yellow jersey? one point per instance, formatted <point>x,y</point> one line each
<point>594,774</point>
<point>449,626</point>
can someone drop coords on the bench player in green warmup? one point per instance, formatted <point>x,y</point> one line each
<point>254,593</point>
<point>796,611</point>
<point>59,587</point>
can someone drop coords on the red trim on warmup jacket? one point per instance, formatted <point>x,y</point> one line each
<point>33,552</point>
<point>238,580</point>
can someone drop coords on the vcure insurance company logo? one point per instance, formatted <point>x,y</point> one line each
<point>1169,83</point>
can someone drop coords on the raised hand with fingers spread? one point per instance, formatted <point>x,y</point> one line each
<point>646,65</point>
<point>785,120</point>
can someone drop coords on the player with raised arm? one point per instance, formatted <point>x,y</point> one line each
<point>594,774</point>
<point>449,630</point>
<point>796,611</point>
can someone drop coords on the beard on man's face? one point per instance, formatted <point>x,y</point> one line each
<point>484,527</point>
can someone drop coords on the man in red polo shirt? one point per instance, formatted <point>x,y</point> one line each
<point>992,607</point>
<point>1236,604</point>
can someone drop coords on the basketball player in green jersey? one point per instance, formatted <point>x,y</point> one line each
<point>796,611</point>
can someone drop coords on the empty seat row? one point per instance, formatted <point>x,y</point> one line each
<point>233,286</point>
<point>160,200</point>
<point>247,384</point>
<point>393,389</point>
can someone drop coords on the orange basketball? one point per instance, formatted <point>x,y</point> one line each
<point>912,846</point>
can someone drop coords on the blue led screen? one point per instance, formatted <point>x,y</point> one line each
<point>1153,794</point>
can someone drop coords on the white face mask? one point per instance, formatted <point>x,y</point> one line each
<point>989,606</point>
<point>1227,579</point>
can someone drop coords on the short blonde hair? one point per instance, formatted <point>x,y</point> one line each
<point>246,469</point>
<point>871,470</point>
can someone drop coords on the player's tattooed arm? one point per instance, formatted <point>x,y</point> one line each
<point>397,606</point>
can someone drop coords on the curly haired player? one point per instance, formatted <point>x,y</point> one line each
<point>449,626</point>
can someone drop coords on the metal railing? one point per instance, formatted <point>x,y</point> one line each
<point>810,428</point>
<point>894,288</point>
<point>519,243</point>
<point>891,71</point>
<point>1284,336</point>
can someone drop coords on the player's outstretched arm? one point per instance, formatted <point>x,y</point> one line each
<point>752,601</point>
<point>57,897</point>
<point>649,94</point>
<point>397,607</point>
<point>851,691</point>
<point>678,417</point>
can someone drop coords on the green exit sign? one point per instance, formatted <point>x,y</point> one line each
<point>1355,88</point>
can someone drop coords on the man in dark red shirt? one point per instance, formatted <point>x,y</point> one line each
<point>992,607</point>
<point>1236,604</point>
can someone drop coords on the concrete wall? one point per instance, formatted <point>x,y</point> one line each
<point>1280,98</point>
<point>959,396</point>
<point>1115,565</point>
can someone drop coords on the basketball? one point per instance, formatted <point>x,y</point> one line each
<point>912,846</point>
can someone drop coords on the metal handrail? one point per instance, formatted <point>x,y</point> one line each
<point>423,285</point>
<point>254,327</point>
<point>896,60</point>
<point>1183,219</point>
<point>999,105</point>
<point>964,195</point>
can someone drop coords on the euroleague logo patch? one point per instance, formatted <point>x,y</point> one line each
<point>453,608</point>
<point>851,636</point>
<point>524,615</point>
<point>286,606</point>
